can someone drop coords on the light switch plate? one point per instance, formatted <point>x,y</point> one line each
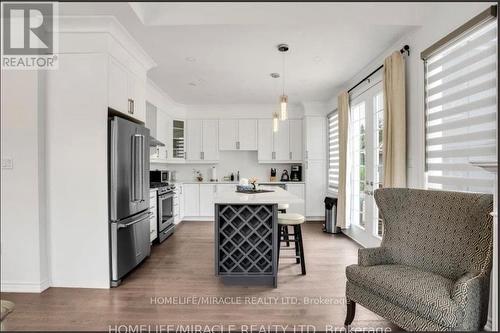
<point>7,163</point>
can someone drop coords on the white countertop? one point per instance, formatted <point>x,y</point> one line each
<point>279,196</point>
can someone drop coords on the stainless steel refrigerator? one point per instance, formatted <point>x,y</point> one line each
<point>128,196</point>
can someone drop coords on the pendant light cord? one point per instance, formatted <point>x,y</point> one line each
<point>283,90</point>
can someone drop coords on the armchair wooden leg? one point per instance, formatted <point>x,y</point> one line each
<point>351,311</point>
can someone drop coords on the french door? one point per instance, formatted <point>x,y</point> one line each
<point>365,164</point>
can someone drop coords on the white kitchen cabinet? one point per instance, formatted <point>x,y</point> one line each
<point>162,124</point>
<point>247,134</point>
<point>210,140</point>
<point>284,146</point>
<point>191,199</point>
<point>178,203</point>
<point>228,134</point>
<point>315,128</point>
<point>207,194</point>
<point>315,176</point>
<point>296,140</point>
<point>282,142</point>
<point>238,134</point>
<point>126,91</point>
<point>193,140</point>
<point>202,138</point>
<point>265,142</point>
<point>299,191</point>
<point>117,86</point>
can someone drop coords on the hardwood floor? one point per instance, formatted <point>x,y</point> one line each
<point>183,268</point>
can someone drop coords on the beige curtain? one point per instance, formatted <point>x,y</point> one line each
<point>343,115</point>
<point>394,144</point>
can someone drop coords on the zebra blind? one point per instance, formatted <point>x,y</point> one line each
<point>333,151</point>
<point>461,104</point>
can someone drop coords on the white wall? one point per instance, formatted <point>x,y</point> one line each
<point>440,20</point>
<point>23,232</point>
<point>229,161</point>
<point>77,171</point>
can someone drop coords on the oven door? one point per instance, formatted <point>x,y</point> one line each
<point>165,210</point>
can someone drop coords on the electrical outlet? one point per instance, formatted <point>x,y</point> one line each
<point>7,163</point>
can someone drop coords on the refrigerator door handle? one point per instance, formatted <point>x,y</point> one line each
<point>137,167</point>
<point>126,225</point>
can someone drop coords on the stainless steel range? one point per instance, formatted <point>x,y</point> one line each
<point>165,204</point>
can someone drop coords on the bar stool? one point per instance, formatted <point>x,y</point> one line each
<point>282,209</point>
<point>295,220</point>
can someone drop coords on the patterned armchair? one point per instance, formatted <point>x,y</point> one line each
<point>432,269</point>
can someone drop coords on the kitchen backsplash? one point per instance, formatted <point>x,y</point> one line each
<point>229,161</point>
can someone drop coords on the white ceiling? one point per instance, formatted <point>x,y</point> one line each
<point>222,53</point>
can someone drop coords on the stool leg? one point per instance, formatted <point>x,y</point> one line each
<point>296,237</point>
<point>286,237</point>
<point>301,250</point>
<point>279,245</point>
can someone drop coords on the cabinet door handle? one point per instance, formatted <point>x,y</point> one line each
<point>166,154</point>
<point>290,155</point>
<point>201,155</point>
<point>237,145</point>
<point>307,154</point>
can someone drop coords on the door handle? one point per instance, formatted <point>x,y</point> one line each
<point>126,225</point>
<point>307,154</point>
<point>290,155</point>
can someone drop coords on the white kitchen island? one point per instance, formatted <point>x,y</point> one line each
<point>246,235</point>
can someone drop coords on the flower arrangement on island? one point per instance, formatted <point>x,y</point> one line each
<point>253,182</point>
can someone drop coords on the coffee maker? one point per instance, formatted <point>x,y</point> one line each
<point>296,173</point>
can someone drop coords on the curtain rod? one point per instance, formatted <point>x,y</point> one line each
<point>404,49</point>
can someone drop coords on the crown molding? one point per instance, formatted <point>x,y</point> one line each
<point>107,25</point>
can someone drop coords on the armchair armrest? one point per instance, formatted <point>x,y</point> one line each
<point>471,292</point>
<point>373,256</point>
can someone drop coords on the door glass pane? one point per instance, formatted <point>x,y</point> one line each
<point>358,173</point>
<point>378,167</point>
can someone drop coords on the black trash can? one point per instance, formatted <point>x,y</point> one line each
<point>330,225</point>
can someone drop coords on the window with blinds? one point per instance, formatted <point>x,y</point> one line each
<point>461,105</point>
<point>333,151</point>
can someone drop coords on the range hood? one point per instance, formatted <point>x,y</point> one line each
<point>153,142</point>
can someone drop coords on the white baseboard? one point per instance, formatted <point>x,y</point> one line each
<point>198,218</point>
<point>24,287</point>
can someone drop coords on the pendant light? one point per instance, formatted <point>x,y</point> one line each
<point>275,122</point>
<point>283,48</point>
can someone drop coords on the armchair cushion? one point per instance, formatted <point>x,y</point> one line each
<point>423,293</point>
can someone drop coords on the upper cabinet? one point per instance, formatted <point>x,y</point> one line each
<point>126,91</point>
<point>178,139</point>
<point>315,128</point>
<point>238,134</point>
<point>285,145</point>
<point>202,141</point>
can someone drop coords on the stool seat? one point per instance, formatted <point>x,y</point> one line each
<point>290,219</point>
<point>283,206</point>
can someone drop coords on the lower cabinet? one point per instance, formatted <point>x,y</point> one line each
<point>207,195</point>
<point>299,191</point>
<point>191,199</point>
<point>199,199</point>
<point>315,188</point>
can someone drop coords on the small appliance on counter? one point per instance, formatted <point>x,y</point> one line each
<point>213,176</point>
<point>296,173</point>
<point>284,176</point>
<point>161,176</point>
<point>273,175</point>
